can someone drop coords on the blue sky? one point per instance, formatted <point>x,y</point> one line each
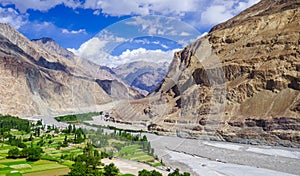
<point>118,25</point>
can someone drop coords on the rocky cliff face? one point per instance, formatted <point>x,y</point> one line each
<point>38,80</point>
<point>241,82</point>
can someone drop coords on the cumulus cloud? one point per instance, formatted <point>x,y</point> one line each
<point>202,13</point>
<point>184,34</point>
<point>12,17</point>
<point>245,4</point>
<point>210,11</point>
<point>215,14</point>
<point>98,47</point>
<point>95,50</point>
<point>219,11</point>
<point>80,31</point>
<point>41,5</point>
<point>145,55</point>
<point>162,26</point>
<point>142,7</point>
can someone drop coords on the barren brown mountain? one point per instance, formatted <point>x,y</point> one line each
<point>41,78</point>
<point>241,82</point>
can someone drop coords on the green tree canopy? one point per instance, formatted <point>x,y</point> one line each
<point>111,170</point>
<point>144,172</point>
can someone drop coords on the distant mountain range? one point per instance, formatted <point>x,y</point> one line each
<point>145,76</point>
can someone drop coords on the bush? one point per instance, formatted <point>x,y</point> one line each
<point>13,153</point>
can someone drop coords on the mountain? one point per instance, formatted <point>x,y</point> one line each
<point>51,46</point>
<point>41,78</point>
<point>114,86</point>
<point>145,76</point>
<point>240,82</point>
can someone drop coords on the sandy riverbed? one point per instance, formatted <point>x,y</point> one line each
<point>222,158</point>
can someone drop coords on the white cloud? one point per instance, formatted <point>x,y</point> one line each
<point>243,5</point>
<point>117,7</point>
<point>90,49</point>
<point>211,11</point>
<point>144,55</point>
<point>152,26</point>
<point>200,13</point>
<point>219,11</point>
<point>95,50</point>
<point>98,48</point>
<point>164,46</point>
<point>80,31</point>
<point>42,5</point>
<point>97,12</point>
<point>12,17</point>
<point>142,7</point>
<point>161,26</point>
<point>184,34</point>
<point>215,14</point>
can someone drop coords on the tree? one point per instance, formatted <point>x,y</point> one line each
<point>69,130</point>
<point>30,138</point>
<point>144,172</point>
<point>111,170</point>
<point>13,153</point>
<point>65,143</point>
<point>87,163</point>
<point>32,153</point>
<point>144,138</point>
<point>177,173</point>
<point>39,123</point>
<point>37,132</point>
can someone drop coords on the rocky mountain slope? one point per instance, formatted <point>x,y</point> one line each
<point>40,78</point>
<point>105,77</point>
<point>240,83</point>
<point>145,76</point>
<point>51,46</point>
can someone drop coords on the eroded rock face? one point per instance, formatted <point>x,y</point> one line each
<point>240,82</point>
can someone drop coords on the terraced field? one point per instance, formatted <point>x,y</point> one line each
<point>136,153</point>
<point>16,167</point>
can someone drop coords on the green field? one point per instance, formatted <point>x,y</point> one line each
<point>50,162</point>
<point>58,149</point>
<point>135,153</point>
<point>77,118</point>
<point>21,166</point>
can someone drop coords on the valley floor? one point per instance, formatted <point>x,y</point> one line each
<point>208,158</point>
